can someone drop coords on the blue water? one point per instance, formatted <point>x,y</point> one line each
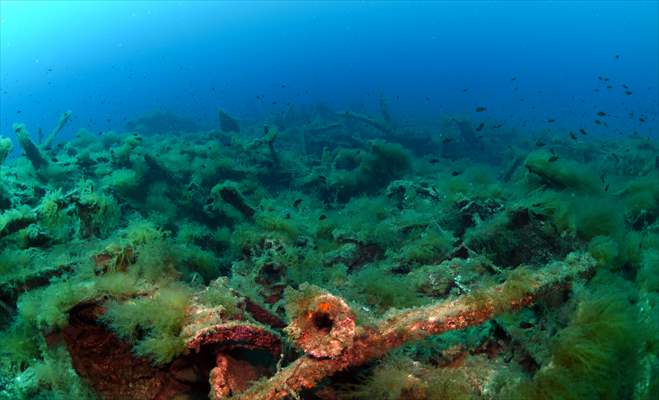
<point>526,62</point>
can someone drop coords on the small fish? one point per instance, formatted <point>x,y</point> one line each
<point>552,151</point>
<point>551,120</point>
<point>297,203</point>
<point>447,140</point>
<point>617,56</point>
<point>18,111</point>
<point>497,126</point>
<point>601,114</point>
<point>455,173</point>
<point>322,217</point>
<point>606,188</point>
<point>573,136</point>
<point>553,158</point>
<point>480,109</point>
<point>427,98</point>
<point>628,92</point>
<point>433,160</point>
<point>480,127</point>
<point>598,122</point>
<point>583,132</point>
<point>540,143</point>
<point>642,119</point>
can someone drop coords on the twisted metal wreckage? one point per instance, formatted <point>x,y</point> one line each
<point>323,327</point>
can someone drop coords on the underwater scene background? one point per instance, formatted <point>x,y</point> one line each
<point>329,200</point>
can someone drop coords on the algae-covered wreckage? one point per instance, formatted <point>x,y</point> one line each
<point>329,255</point>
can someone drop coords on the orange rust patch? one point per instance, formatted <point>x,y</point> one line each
<point>324,307</point>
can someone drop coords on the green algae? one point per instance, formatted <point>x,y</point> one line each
<point>150,225</point>
<point>595,356</point>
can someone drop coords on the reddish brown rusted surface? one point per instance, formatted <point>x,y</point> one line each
<point>232,376</point>
<point>262,315</point>
<point>108,365</point>
<point>233,335</point>
<point>326,328</point>
<point>405,326</point>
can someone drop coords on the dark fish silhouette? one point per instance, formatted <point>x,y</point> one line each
<point>480,127</point>
<point>480,109</point>
<point>601,114</point>
<point>573,136</point>
<point>553,158</point>
<point>583,131</point>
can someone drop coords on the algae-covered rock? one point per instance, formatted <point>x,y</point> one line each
<point>562,173</point>
<point>367,171</point>
<point>5,148</point>
<point>32,152</point>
